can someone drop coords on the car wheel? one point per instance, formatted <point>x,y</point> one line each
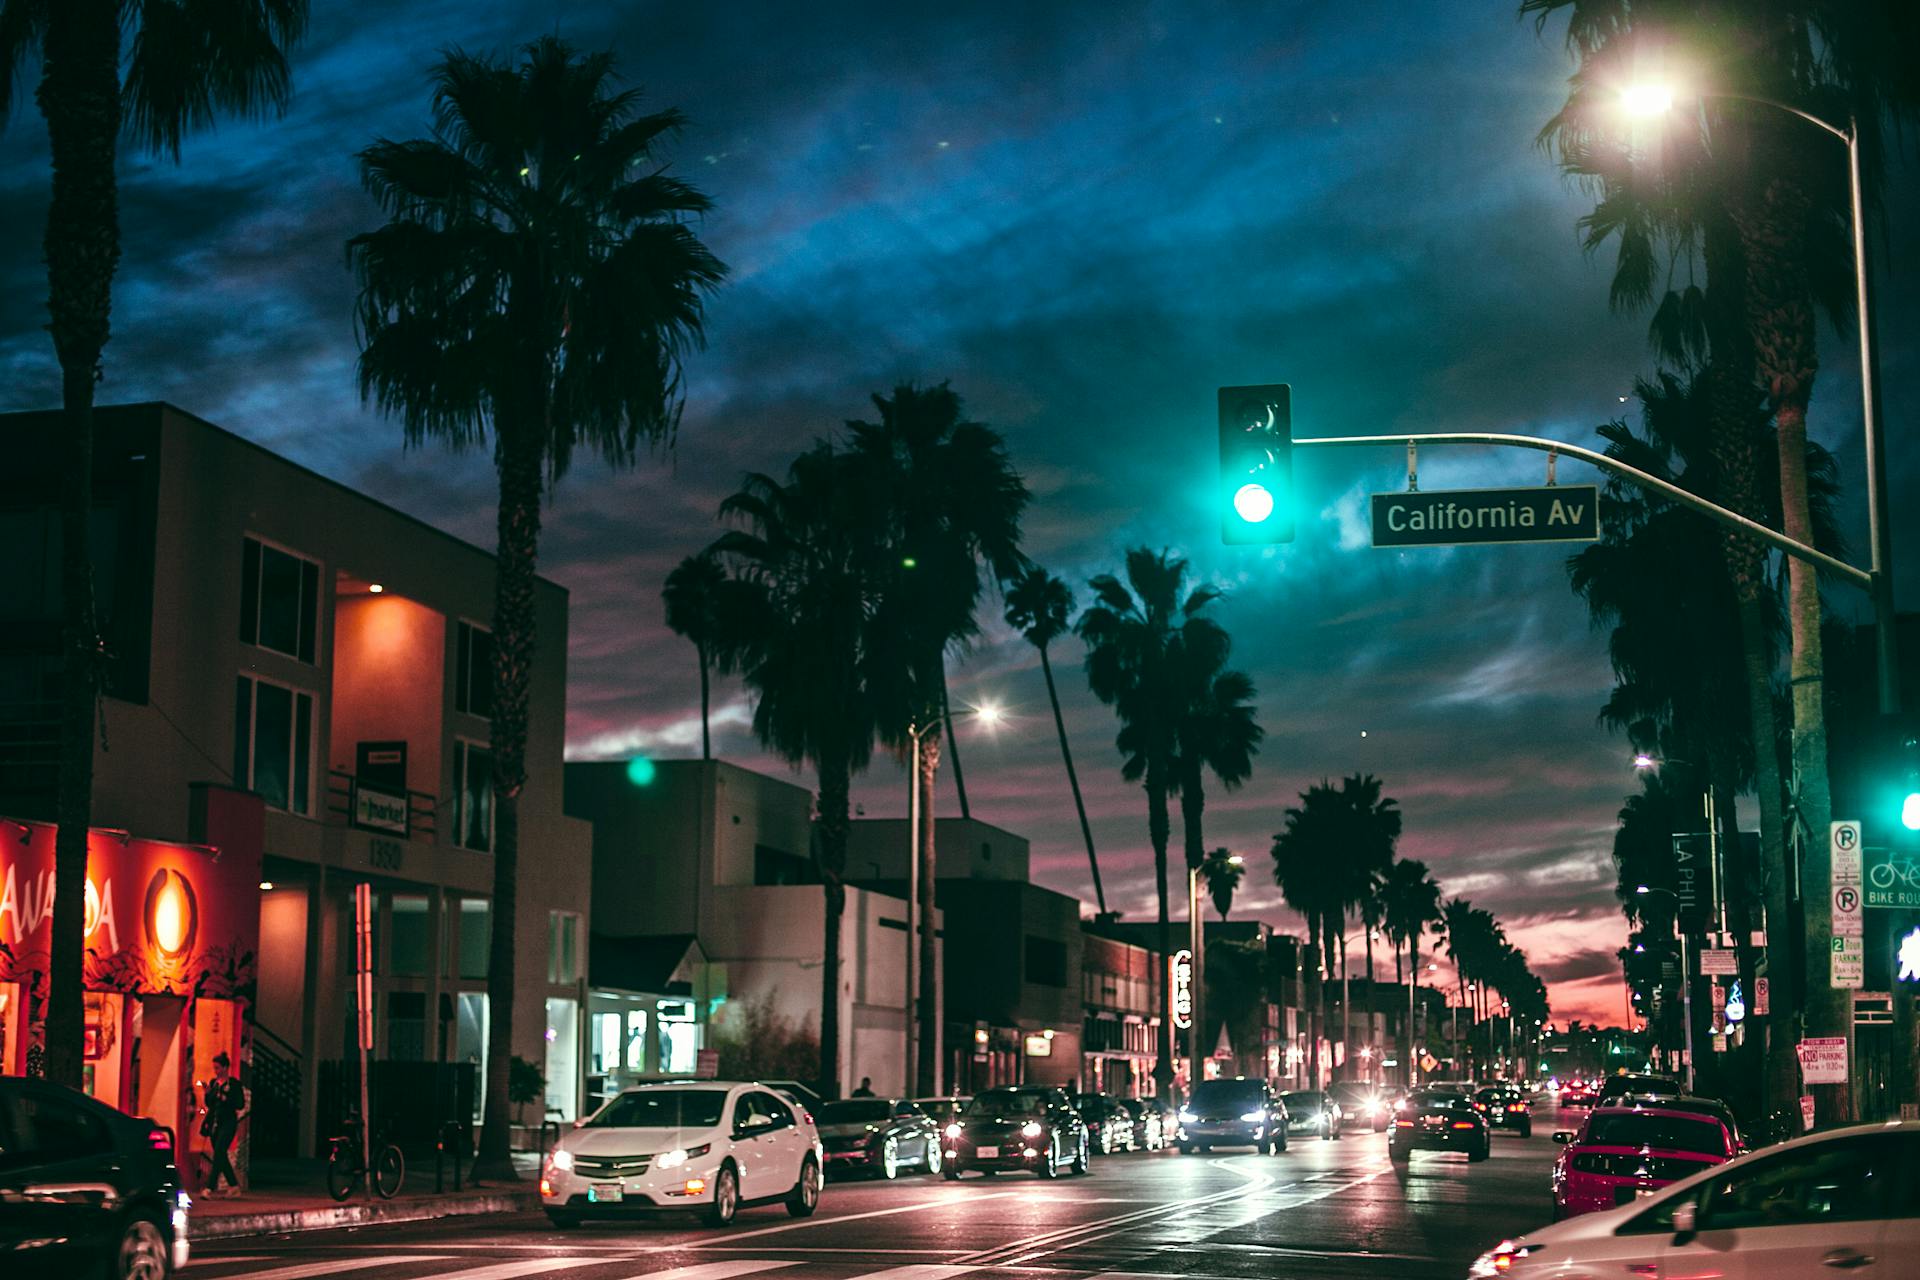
<point>563,1220</point>
<point>142,1253</point>
<point>1186,1148</point>
<point>1280,1140</point>
<point>1399,1155</point>
<point>890,1159</point>
<point>1526,1128</point>
<point>805,1197</point>
<point>1081,1161</point>
<point>1485,1150</point>
<point>726,1197</point>
<point>1049,1166</point>
<point>933,1156</point>
<point>1265,1147</point>
<point>951,1173</point>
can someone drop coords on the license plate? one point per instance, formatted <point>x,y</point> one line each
<point>987,1153</point>
<point>606,1193</point>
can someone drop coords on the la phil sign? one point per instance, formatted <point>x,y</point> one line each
<point>1556,513</point>
<point>161,918</point>
<point>1180,988</point>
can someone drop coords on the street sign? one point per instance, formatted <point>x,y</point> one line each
<point>1823,1060</point>
<point>1847,962</point>
<point>1428,1062</point>
<point>1892,879</point>
<point>1719,1015</point>
<point>1690,854</point>
<point>1180,988</point>
<point>1760,994</point>
<point>1556,513</point>
<point>1806,1112</point>
<point>1719,963</point>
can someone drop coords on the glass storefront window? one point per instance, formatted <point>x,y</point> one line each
<point>476,934</point>
<point>408,936</point>
<point>470,1041</point>
<point>563,1058</point>
<point>607,1034</point>
<point>679,1048</point>
<point>637,1041</point>
<point>406,1026</point>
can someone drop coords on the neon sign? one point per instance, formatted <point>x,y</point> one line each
<point>1180,988</point>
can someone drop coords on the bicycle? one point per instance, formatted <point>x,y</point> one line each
<point>345,1166</point>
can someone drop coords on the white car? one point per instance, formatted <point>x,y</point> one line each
<point>704,1145</point>
<point>1848,1200</point>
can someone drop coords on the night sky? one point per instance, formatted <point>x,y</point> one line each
<point>1087,216</point>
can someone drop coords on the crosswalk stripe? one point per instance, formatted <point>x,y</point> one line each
<point>333,1266</point>
<point>928,1271</point>
<point>708,1270</point>
<point>514,1270</point>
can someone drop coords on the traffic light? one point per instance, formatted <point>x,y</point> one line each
<point>1256,464</point>
<point>1909,746</point>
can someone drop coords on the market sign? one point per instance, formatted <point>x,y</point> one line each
<point>377,810</point>
<point>1555,513</point>
<point>1180,988</point>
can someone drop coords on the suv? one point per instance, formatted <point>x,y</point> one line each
<point>1363,1103</point>
<point>123,1213</point>
<point>1240,1112</point>
<point>707,1145</point>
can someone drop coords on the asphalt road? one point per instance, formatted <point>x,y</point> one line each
<point>1322,1209</point>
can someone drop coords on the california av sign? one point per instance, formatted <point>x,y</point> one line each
<point>1555,513</point>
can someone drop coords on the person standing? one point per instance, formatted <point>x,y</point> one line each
<point>224,1104</point>
<point>866,1088</point>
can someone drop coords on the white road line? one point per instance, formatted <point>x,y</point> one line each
<point>944,1203</point>
<point>517,1268</point>
<point>716,1270</point>
<point>198,1259</point>
<point>918,1273</point>
<point>333,1266</point>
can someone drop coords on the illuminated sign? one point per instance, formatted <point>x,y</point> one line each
<point>1909,957</point>
<point>1039,1046</point>
<point>1180,987</point>
<point>1736,1003</point>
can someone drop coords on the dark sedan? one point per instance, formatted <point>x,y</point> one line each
<point>1013,1128</point>
<point>1312,1114</point>
<point>1506,1107</point>
<point>85,1189</point>
<point>1109,1124</point>
<point>1233,1113</point>
<point>879,1136</point>
<point>1436,1121</point>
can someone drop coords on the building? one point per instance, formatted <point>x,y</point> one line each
<point>275,634</point>
<point>1120,996</point>
<point>718,861</point>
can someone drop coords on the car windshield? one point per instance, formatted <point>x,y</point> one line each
<point>1639,1084</point>
<point>1303,1099</point>
<point>860,1111</point>
<point>1244,1094</point>
<point>1436,1099</point>
<point>995,1105</point>
<point>662,1109</point>
<point>1353,1092</point>
<point>1668,1133</point>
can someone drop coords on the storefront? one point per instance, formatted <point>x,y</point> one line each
<point>171,940</point>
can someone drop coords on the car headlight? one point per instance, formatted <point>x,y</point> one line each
<point>1373,1108</point>
<point>1031,1129</point>
<point>675,1158</point>
<point>1499,1260</point>
<point>1187,1117</point>
<point>562,1159</point>
<point>953,1131</point>
<point>1253,1117</point>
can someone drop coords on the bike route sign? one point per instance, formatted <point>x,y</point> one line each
<point>1892,879</point>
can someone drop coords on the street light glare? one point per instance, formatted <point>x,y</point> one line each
<point>989,713</point>
<point>1644,761</point>
<point>1235,860</point>
<point>1647,100</point>
<point>1640,888</point>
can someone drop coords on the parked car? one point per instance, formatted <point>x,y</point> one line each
<point>1703,1106</point>
<point>1623,1153</point>
<point>944,1111</point>
<point>1109,1125</point>
<point>1434,1120</point>
<point>1153,1122</point>
<point>1613,1087</point>
<point>709,1146</point>
<point>1240,1112</point>
<point>804,1095</point>
<point>1506,1107</point>
<point>86,1189</point>
<point>1363,1104</point>
<point>1841,1201</point>
<point>1311,1113</point>
<point>1017,1127</point>
<point>879,1136</point>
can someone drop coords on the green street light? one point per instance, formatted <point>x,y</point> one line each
<point>1256,464</point>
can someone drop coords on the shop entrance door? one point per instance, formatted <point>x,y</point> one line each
<point>162,1020</point>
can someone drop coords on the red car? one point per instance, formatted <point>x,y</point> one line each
<point>1577,1093</point>
<point>1624,1152</point>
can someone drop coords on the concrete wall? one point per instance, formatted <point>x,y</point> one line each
<point>391,682</point>
<point>963,848</point>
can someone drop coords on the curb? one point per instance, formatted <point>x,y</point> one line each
<point>412,1209</point>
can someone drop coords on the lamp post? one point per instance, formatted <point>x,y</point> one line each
<point>1196,942</point>
<point>1656,100</point>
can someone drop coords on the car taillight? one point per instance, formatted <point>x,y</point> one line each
<point>160,1138</point>
<point>1403,1124</point>
<point>1517,1106</point>
<point>1463,1124</point>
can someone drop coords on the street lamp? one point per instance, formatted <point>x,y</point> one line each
<point>1196,941</point>
<point>1652,100</point>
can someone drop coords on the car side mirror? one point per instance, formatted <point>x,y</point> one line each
<point>1686,1217</point>
<point>1563,1136</point>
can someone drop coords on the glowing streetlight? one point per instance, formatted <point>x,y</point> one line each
<point>1646,100</point>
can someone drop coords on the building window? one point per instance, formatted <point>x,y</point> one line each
<point>273,743</point>
<point>473,671</point>
<point>1046,961</point>
<point>476,937</point>
<point>408,941</point>
<point>279,600</point>
<point>563,947</point>
<point>473,795</point>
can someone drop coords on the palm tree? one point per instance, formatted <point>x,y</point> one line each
<point>1222,877</point>
<point>1215,732</point>
<point>535,285</point>
<point>1307,857</point>
<point>1038,607</point>
<point>806,583</point>
<point>691,594</point>
<point>158,71</point>
<point>1370,824</point>
<point>1134,634</point>
<point>1410,900</point>
<point>947,504</point>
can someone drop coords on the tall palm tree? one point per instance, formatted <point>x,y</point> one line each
<point>1215,733</point>
<point>1307,856</point>
<point>806,587</point>
<point>1410,899</point>
<point>157,72</point>
<point>692,596</point>
<point>947,504</point>
<point>534,287</point>
<point>1222,876</point>
<point>1135,632</point>
<point>1039,607</point>
<point>1370,825</point>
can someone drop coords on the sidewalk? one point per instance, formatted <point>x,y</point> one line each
<point>291,1195</point>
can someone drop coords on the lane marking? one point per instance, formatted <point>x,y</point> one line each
<point>515,1269</point>
<point>716,1270</point>
<point>877,1251</point>
<point>946,1203</point>
<point>305,1270</point>
<point>928,1272</point>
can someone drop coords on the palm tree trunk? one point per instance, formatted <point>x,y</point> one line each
<point>953,746</point>
<point>1193,805</point>
<point>1369,995</point>
<point>706,728</point>
<point>1073,781</point>
<point>835,784</point>
<point>514,621</point>
<point>79,95</point>
<point>1316,1002</point>
<point>1159,828</point>
<point>927,1035</point>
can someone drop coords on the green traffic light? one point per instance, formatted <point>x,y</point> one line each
<point>641,771</point>
<point>1253,503</point>
<point>1910,811</point>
